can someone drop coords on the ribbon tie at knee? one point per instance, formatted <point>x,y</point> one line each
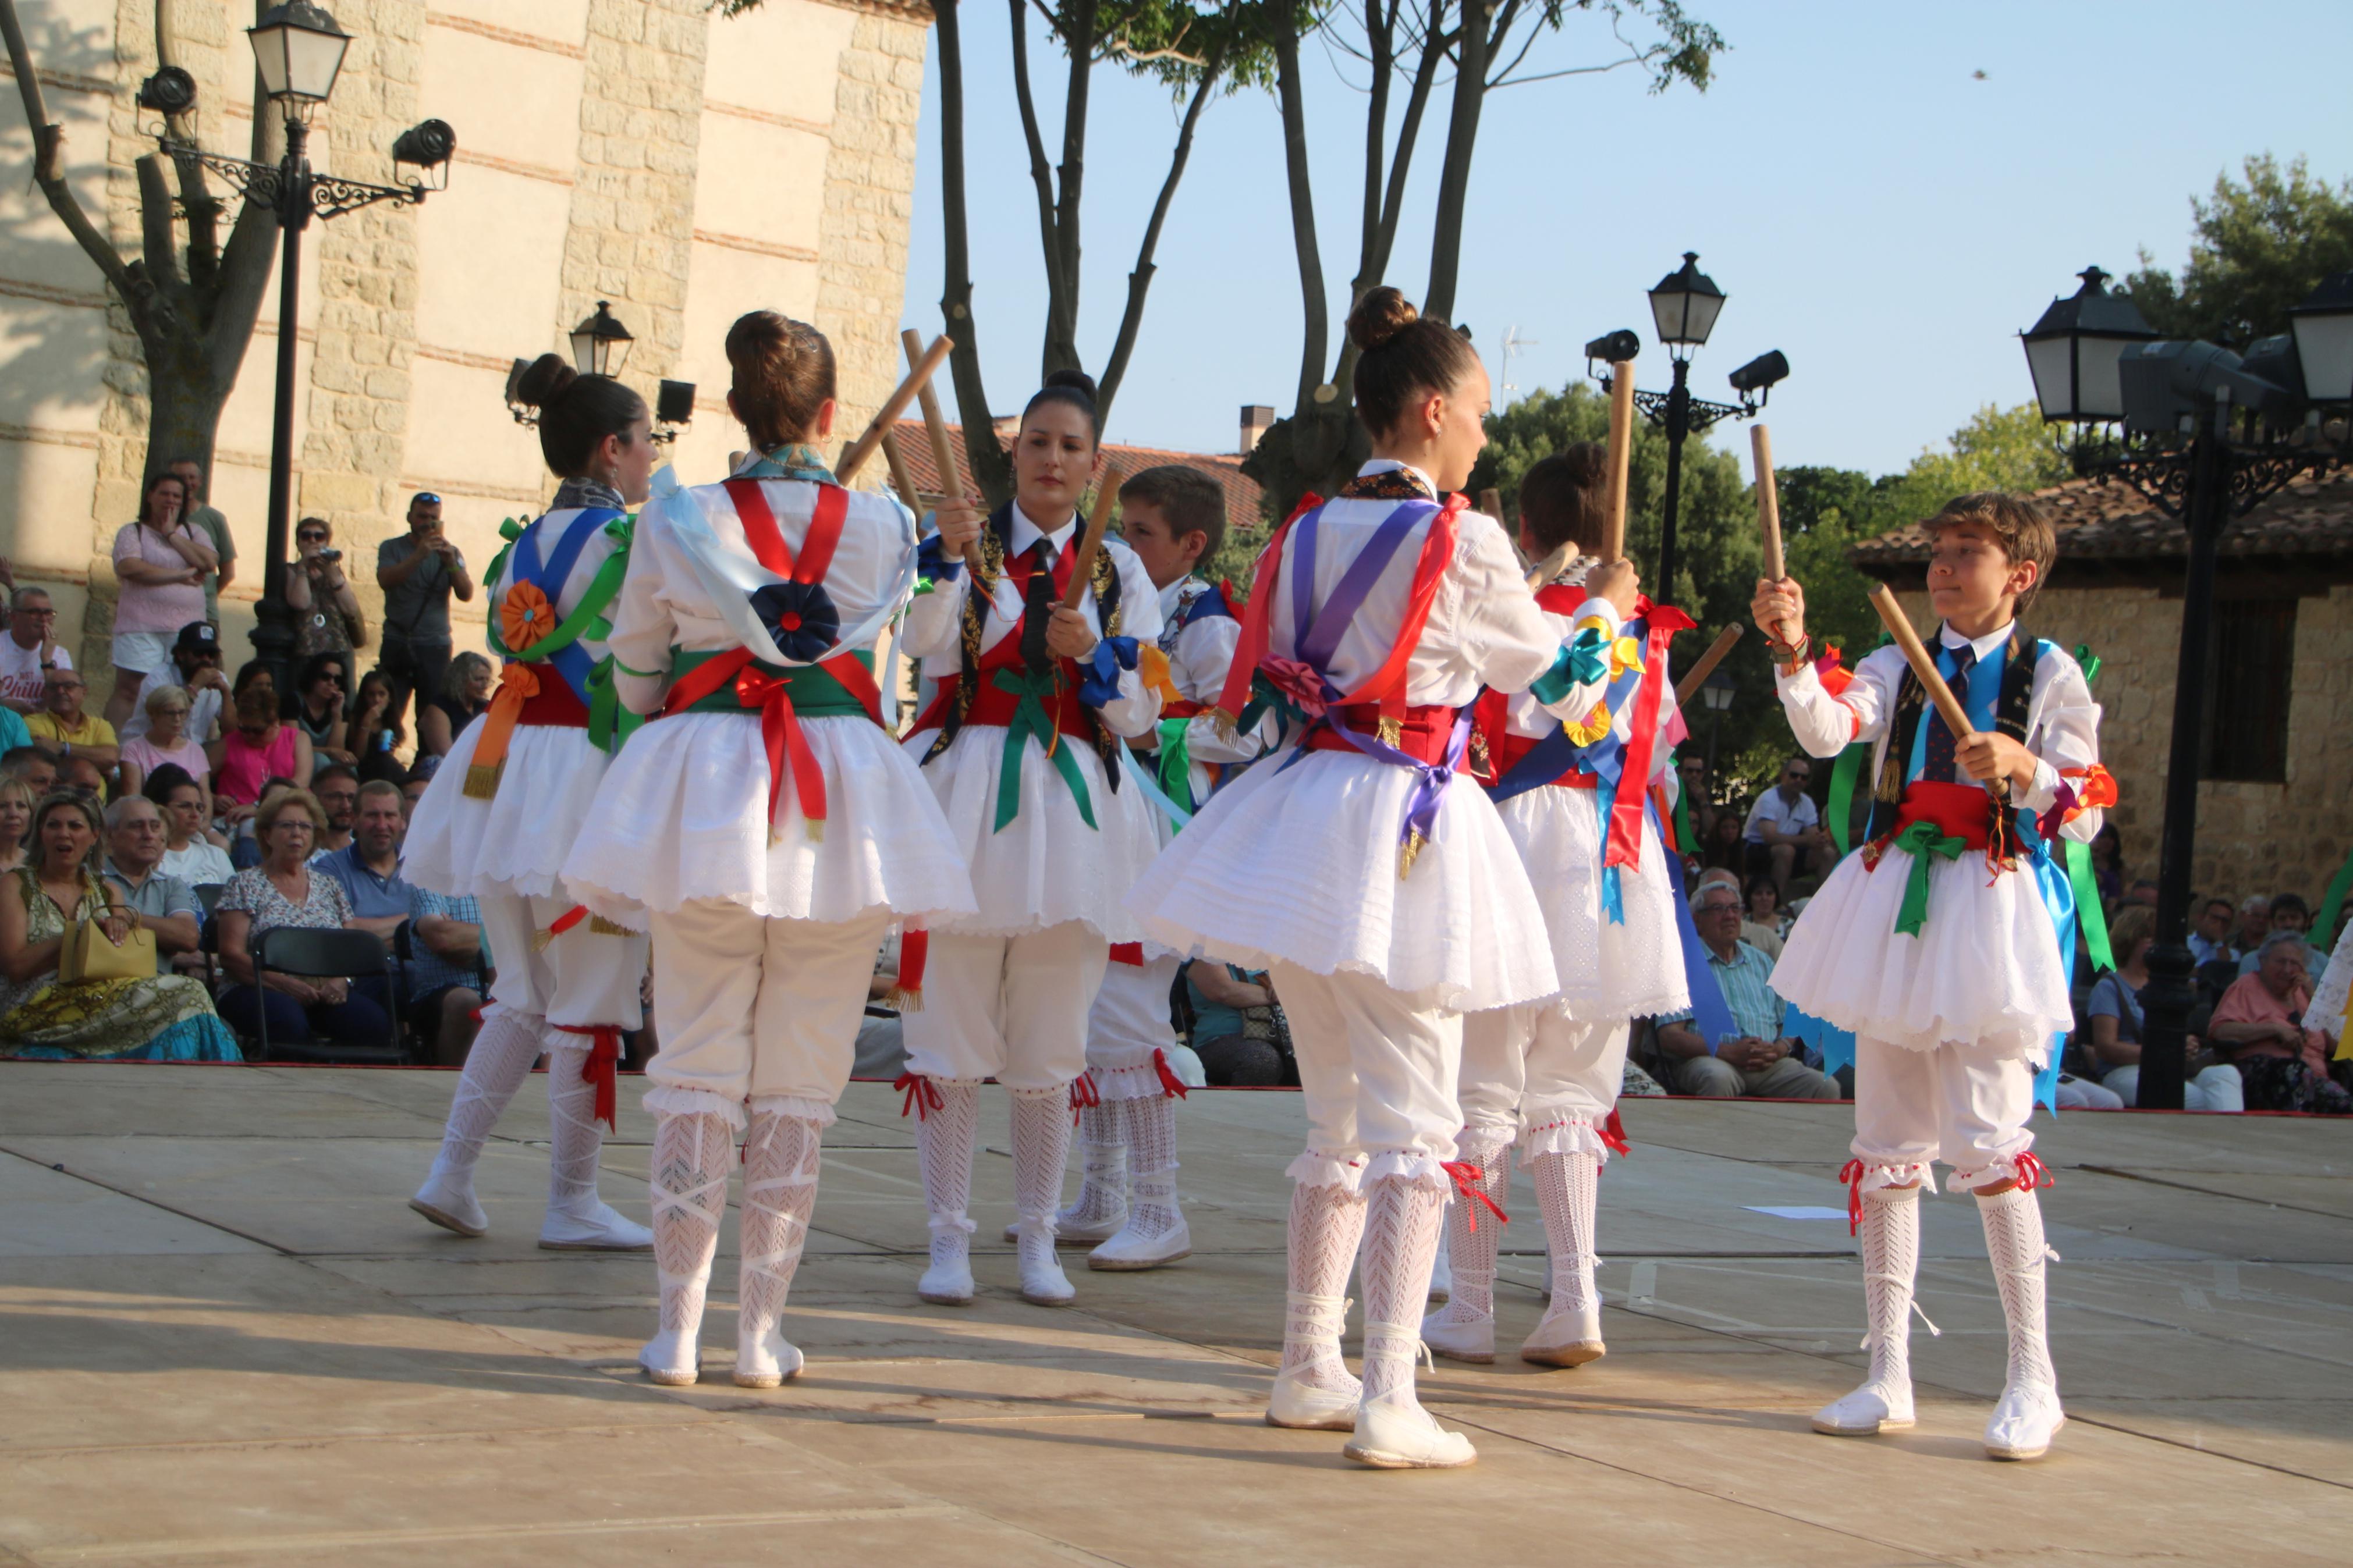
<point>602,1067</point>
<point>1469,1180</point>
<point>923,1096</point>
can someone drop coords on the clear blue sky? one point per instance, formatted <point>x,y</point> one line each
<point>1872,209</point>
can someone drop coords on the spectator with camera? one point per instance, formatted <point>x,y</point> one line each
<point>332,619</point>
<point>418,573</point>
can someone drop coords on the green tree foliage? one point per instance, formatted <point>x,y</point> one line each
<point>2256,249</point>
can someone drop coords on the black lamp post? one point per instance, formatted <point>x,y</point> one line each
<point>2205,440</point>
<point>1718,692</point>
<point>599,344</point>
<point>1683,308</point>
<point>299,51</point>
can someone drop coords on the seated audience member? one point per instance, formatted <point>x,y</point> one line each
<point>135,876</point>
<point>190,852</point>
<point>444,976</point>
<point>166,738</point>
<point>464,697</point>
<point>1721,848</point>
<point>1784,832</point>
<point>29,650</point>
<point>62,727</point>
<point>17,802</point>
<point>2114,1011</point>
<point>283,891</point>
<point>881,1051</point>
<point>367,729</point>
<point>194,667</point>
<point>1690,774</point>
<point>368,867</point>
<point>2210,938</point>
<point>2142,892</point>
<point>412,783</point>
<point>338,789</point>
<point>13,732</point>
<point>261,746</point>
<point>81,776</point>
<point>319,706</point>
<point>145,1017</point>
<point>2259,1024</point>
<point>2107,852</point>
<point>1764,925</point>
<point>36,767</point>
<point>1236,1026</point>
<point>1762,1062</point>
<point>2254,925</point>
<point>2289,913</point>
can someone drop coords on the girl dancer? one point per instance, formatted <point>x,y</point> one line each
<point>1546,1075</point>
<point>502,814</point>
<point>766,826</point>
<point>1936,945</point>
<point>1385,903</point>
<point>1021,748</point>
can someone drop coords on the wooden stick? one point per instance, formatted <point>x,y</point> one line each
<point>1621,453</point>
<point>1899,627</point>
<point>1696,676</point>
<point>1768,501</point>
<point>901,480</point>
<point>1084,572</point>
<point>892,406</point>
<point>1546,570</point>
<point>1490,501</point>
<point>943,447</point>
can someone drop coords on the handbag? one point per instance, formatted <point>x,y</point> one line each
<point>89,953</point>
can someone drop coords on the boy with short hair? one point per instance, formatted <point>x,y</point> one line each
<point>1174,518</point>
<point>1934,944</point>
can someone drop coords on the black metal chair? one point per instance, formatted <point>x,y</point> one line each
<point>208,897</point>
<point>313,954</point>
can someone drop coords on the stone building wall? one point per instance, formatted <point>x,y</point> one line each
<point>2252,838</point>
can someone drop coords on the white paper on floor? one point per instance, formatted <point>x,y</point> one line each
<point>1798,1211</point>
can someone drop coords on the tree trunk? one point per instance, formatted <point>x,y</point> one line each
<point>1454,172</point>
<point>1140,281</point>
<point>990,471</point>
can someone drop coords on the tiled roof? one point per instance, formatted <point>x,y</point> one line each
<point>1241,492</point>
<point>2312,517</point>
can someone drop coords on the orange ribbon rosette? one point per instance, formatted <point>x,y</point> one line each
<point>526,618</point>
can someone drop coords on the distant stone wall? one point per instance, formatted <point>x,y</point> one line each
<point>870,201</point>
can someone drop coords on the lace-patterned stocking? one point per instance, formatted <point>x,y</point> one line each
<point>1103,1191</point>
<point>501,1059</point>
<point>1041,1147</point>
<point>1150,1125</point>
<point>943,1139</point>
<point>1567,1188</point>
<point>1472,1253</point>
<point>577,1136</point>
<point>2015,1243</point>
<point>1402,1221</point>
<point>692,1153</point>
<point>1326,1224</point>
<point>780,1171</point>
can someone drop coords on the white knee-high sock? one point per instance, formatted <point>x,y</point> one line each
<point>2015,1243</point>
<point>496,1065</point>
<point>692,1152</point>
<point>1402,1220</point>
<point>1103,1189</point>
<point>943,1139</point>
<point>1041,1147</point>
<point>1568,1191</point>
<point>780,1172</point>
<point>1149,1129</point>
<point>1890,1232</point>
<point>1472,1252</point>
<point>578,1137</point>
<point>1327,1223</point>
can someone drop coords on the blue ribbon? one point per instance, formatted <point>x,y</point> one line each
<point>1099,671</point>
<point>1836,1044</point>
<point>2059,900</point>
<point>571,661</point>
<point>934,564</point>
<point>1151,787</point>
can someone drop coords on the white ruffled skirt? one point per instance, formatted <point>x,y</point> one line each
<point>684,815</point>
<point>1047,866</point>
<point>1985,968</point>
<point>1608,971</point>
<point>1300,865</point>
<point>516,842</point>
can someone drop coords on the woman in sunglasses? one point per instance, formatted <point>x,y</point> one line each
<point>332,619</point>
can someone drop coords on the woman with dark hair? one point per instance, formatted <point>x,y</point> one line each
<point>1724,848</point>
<point>766,827</point>
<point>259,747</point>
<point>1384,903</point>
<point>507,800</point>
<point>160,561</point>
<point>1022,747</point>
<point>319,705</point>
<point>368,729</point>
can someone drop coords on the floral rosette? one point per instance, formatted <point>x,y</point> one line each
<point>800,618</point>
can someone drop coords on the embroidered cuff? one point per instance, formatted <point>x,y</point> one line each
<point>1100,670</point>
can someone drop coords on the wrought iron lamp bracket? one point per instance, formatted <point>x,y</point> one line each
<point>1699,413</point>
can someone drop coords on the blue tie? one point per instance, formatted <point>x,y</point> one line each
<point>1955,663</point>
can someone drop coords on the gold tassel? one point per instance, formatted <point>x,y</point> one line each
<point>1409,852</point>
<point>482,782</point>
<point>816,829</point>
<point>1390,730</point>
<point>599,926</point>
<point>541,938</point>
<point>899,999</point>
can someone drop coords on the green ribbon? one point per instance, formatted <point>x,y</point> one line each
<point>2332,903</point>
<point>1031,719</point>
<point>815,692</point>
<point>1841,809</point>
<point>1925,842</point>
<point>2091,915</point>
<point>1582,660</point>
<point>2088,661</point>
<point>1686,841</point>
<point>609,724</point>
<point>1175,770</point>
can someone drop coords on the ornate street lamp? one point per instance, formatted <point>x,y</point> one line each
<point>599,344</point>
<point>2322,325</point>
<point>299,51</point>
<point>2191,427</point>
<point>1718,691</point>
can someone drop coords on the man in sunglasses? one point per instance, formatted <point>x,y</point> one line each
<point>196,665</point>
<point>1785,836</point>
<point>418,571</point>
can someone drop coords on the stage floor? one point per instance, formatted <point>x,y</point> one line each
<point>223,1339</point>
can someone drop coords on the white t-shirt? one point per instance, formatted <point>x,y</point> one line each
<point>199,863</point>
<point>1770,807</point>
<point>20,669</point>
<point>204,708</point>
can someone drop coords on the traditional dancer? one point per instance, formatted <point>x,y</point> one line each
<point>1936,945</point>
<point>1384,902</point>
<point>1022,745</point>
<point>1173,518</point>
<point>1546,1075</point>
<point>766,826</point>
<point>502,814</point>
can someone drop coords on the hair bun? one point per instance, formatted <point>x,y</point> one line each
<point>544,380</point>
<point>1077,380</point>
<point>1380,316</point>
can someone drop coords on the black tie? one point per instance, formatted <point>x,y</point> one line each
<point>1039,609</point>
<point>1940,766</point>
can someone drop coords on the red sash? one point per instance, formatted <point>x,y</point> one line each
<point>554,704</point>
<point>1424,733</point>
<point>1959,811</point>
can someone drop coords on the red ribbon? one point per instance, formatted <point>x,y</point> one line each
<point>2032,1172</point>
<point>924,1096</point>
<point>915,949</point>
<point>1852,1174</point>
<point>566,921</point>
<point>1171,1085</point>
<point>1128,952</point>
<point>1235,696</point>
<point>1626,810</point>
<point>1084,1095</point>
<point>1613,1135</point>
<point>603,1066</point>
<point>1469,1180</point>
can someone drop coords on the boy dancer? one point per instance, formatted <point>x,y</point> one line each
<point>1934,944</point>
<point>1173,518</point>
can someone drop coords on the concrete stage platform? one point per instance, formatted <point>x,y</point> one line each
<point>224,1340</point>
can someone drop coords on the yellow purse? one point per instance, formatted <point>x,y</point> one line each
<point>89,953</point>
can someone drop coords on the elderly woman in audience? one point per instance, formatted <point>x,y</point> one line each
<point>191,851</point>
<point>166,740</point>
<point>2116,1024</point>
<point>283,891</point>
<point>2261,1024</point>
<point>465,696</point>
<point>142,1017</point>
<point>17,802</point>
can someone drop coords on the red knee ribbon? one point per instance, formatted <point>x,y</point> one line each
<point>924,1096</point>
<point>1469,1180</point>
<point>1171,1085</point>
<point>2032,1172</point>
<point>1084,1095</point>
<point>1852,1174</point>
<point>1613,1135</point>
<point>602,1067</point>
<point>1128,952</point>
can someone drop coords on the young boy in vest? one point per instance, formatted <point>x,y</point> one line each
<point>1934,944</point>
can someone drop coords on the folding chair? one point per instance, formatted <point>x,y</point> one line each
<point>309,954</point>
